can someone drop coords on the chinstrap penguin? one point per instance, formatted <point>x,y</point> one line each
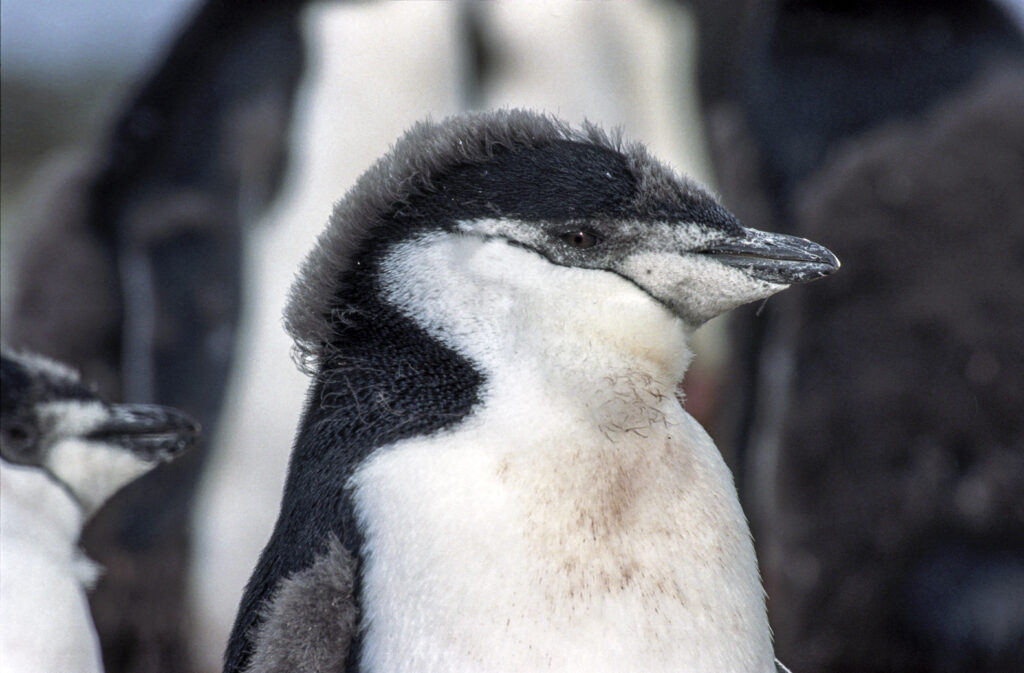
<point>493,471</point>
<point>63,452</point>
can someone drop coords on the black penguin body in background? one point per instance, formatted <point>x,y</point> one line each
<point>890,132</point>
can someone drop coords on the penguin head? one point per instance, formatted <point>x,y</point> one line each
<point>516,199</point>
<point>54,424</point>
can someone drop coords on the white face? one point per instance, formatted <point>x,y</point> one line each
<point>503,305</point>
<point>660,258</point>
<point>92,470</point>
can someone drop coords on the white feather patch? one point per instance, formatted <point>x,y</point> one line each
<point>93,470</point>
<point>45,623</point>
<point>580,520</point>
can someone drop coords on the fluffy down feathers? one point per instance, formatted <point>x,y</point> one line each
<point>309,624</point>
<point>425,153</point>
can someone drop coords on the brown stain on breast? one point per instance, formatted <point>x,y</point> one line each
<point>603,507</point>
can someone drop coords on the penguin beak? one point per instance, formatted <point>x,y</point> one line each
<point>150,432</point>
<point>775,258</point>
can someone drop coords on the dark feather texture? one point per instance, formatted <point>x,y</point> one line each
<point>425,163</point>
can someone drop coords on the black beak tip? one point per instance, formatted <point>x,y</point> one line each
<point>826,265</point>
<point>831,261</point>
<point>179,435</point>
<point>186,435</point>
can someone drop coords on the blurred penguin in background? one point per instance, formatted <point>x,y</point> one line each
<point>63,452</point>
<point>888,511</point>
<point>133,274</point>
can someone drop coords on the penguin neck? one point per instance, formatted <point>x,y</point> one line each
<point>39,511</point>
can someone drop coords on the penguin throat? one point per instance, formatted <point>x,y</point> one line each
<point>504,307</point>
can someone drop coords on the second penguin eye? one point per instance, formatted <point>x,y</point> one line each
<point>579,238</point>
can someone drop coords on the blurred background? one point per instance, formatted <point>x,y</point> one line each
<point>166,166</point>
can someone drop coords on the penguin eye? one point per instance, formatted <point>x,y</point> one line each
<point>578,238</point>
<point>18,441</point>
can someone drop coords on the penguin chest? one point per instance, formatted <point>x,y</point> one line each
<point>519,548</point>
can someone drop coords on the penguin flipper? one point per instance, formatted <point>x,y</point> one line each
<point>311,620</point>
